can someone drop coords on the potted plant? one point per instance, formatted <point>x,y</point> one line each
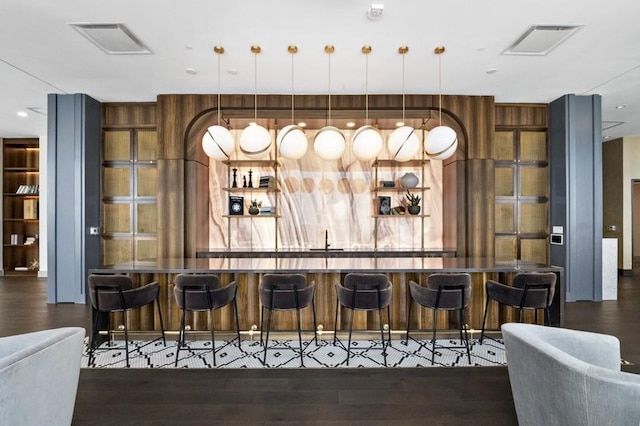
<point>414,203</point>
<point>254,207</point>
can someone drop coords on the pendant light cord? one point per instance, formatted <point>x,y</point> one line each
<point>440,88</point>
<point>329,119</point>
<point>403,87</point>
<point>255,83</point>
<point>366,90</point>
<point>218,89</point>
<point>292,91</point>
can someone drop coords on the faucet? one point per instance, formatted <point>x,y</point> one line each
<point>326,240</point>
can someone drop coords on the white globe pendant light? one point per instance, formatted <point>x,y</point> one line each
<point>403,143</point>
<point>367,140</point>
<point>367,143</point>
<point>255,140</point>
<point>217,142</point>
<point>441,142</point>
<point>291,141</point>
<point>329,143</point>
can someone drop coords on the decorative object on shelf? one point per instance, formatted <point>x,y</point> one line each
<point>250,184</point>
<point>414,203</point>
<point>441,142</point>
<point>409,180</point>
<point>267,182</point>
<point>367,140</point>
<point>218,141</point>
<point>254,207</point>
<point>387,184</point>
<point>244,181</point>
<point>398,210</point>
<point>384,205</point>
<point>34,265</point>
<point>291,141</point>
<point>403,143</point>
<point>236,205</point>
<point>255,140</point>
<point>235,182</point>
<point>329,143</point>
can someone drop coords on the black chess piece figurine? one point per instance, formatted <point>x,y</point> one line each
<point>235,183</point>
<point>244,181</point>
<point>250,181</point>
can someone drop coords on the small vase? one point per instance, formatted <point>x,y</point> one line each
<point>409,180</point>
<point>414,209</point>
<point>254,211</point>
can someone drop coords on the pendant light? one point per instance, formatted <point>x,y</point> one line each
<point>367,140</point>
<point>255,140</point>
<point>441,142</point>
<point>291,141</point>
<point>403,143</point>
<point>329,143</point>
<point>218,141</point>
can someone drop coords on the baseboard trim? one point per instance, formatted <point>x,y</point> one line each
<point>626,272</point>
<point>42,274</point>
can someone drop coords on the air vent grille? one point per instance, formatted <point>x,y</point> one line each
<point>114,39</point>
<point>541,39</point>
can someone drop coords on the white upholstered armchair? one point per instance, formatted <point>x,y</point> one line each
<point>39,376</point>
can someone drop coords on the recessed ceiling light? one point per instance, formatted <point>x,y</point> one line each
<point>607,137</point>
<point>351,124</point>
<point>232,71</point>
<point>114,39</point>
<point>22,114</point>
<point>191,71</point>
<point>492,70</point>
<point>621,106</point>
<point>375,11</point>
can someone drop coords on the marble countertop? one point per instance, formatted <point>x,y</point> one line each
<point>326,265</point>
<point>321,252</point>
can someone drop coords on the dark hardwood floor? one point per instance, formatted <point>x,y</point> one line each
<point>438,396</point>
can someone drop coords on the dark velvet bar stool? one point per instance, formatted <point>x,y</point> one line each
<point>286,292</point>
<point>199,293</point>
<point>115,293</point>
<point>530,290</point>
<point>364,292</point>
<point>443,292</point>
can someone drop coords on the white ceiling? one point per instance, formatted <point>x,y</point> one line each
<point>40,53</point>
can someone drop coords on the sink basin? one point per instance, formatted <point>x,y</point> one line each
<point>329,249</point>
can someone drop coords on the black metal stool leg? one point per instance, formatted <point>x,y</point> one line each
<point>335,324</point>
<point>433,338</point>
<point>126,335</point>
<point>235,309</point>
<point>484,320</point>
<point>180,338</point>
<point>213,337</point>
<point>164,340</point>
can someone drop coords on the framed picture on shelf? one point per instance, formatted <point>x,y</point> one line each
<point>236,205</point>
<point>384,205</point>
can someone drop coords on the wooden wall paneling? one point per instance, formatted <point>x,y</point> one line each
<point>129,114</point>
<point>171,209</point>
<point>481,216</point>
<point>521,115</point>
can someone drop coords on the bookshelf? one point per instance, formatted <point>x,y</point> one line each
<point>21,195</point>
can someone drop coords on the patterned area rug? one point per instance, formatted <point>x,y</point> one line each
<point>285,354</point>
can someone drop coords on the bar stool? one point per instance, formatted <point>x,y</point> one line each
<point>530,290</point>
<point>444,292</point>
<point>115,293</point>
<point>286,292</point>
<point>199,293</point>
<point>364,292</point>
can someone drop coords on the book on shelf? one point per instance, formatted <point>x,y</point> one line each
<point>236,205</point>
<point>29,241</point>
<point>16,239</point>
<point>267,181</point>
<point>28,189</point>
<point>30,209</point>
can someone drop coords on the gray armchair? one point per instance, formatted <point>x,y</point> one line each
<point>39,376</point>
<point>568,377</point>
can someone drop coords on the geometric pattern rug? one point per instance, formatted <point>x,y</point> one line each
<point>285,354</point>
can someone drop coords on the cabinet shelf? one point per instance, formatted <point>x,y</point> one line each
<point>251,189</point>
<point>400,189</point>
<point>401,215</point>
<point>245,216</point>
<point>20,245</point>
<point>251,163</point>
<point>394,163</point>
<point>19,219</point>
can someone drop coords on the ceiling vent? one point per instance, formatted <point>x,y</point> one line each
<point>114,39</point>
<point>539,40</point>
<point>606,125</point>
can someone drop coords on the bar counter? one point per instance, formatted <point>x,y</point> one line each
<point>326,272</point>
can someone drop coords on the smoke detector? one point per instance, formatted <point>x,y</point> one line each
<point>375,11</point>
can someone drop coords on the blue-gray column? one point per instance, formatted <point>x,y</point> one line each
<point>575,139</point>
<point>73,177</point>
